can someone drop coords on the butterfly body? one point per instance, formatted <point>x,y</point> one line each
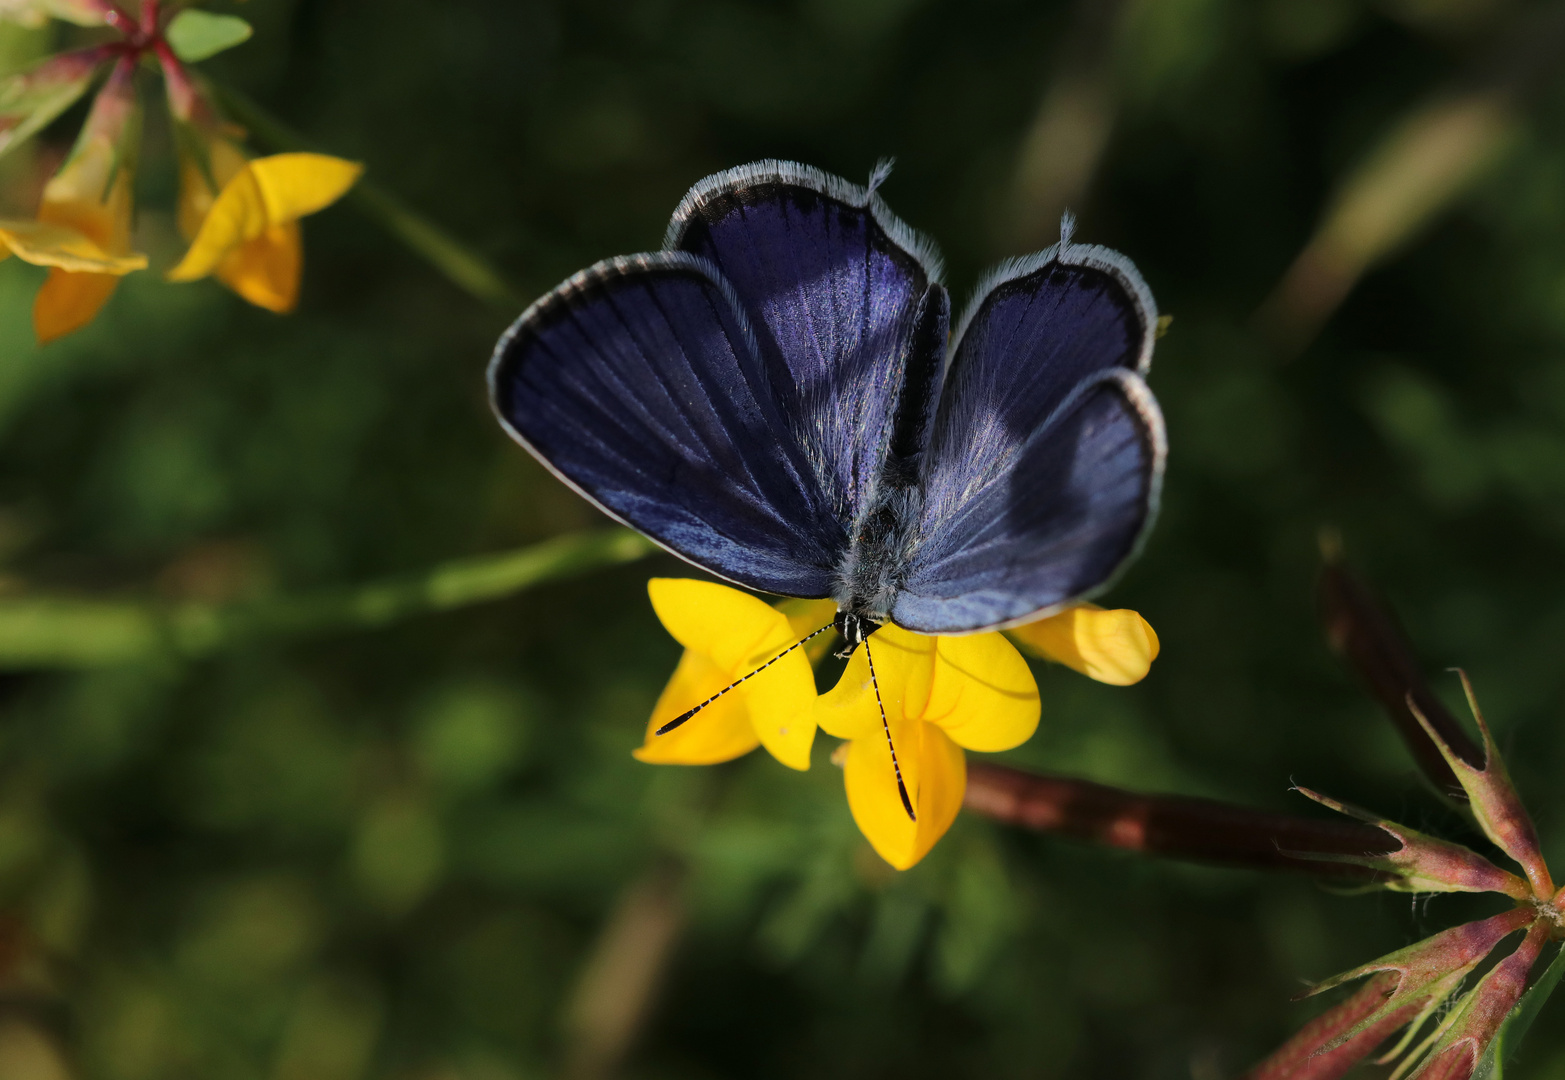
<point>777,397</point>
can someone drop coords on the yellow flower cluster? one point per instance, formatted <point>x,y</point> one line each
<point>240,216</point>
<point>941,696</point>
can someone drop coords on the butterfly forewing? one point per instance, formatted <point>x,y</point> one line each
<point>835,286</point>
<point>639,382</point>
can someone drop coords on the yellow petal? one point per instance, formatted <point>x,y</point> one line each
<point>44,243</point>
<point>738,633</point>
<point>266,270</point>
<point>266,192</point>
<point>1115,647</point>
<point>982,693</point>
<point>69,301</point>
<point>716,620</point>
<point>977,688</point>
<point>808,616</point>
<point>903,665</point>
<point>224,161</point>
<point>294,185</point>
<point>935,771</point>
<point>721,732</point>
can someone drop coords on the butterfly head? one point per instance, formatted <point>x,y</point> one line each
<point>854,629</point>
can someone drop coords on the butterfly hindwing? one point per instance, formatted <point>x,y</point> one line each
<point>1046,457</point>
<point>638,381</point>
<point>842,293</point>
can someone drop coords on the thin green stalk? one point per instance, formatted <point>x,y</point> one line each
<point>64,632</point>
<point>465,268</point>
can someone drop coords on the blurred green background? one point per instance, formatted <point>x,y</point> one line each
<point>423,852</point>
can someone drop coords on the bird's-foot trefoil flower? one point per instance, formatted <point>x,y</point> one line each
<point>82,233</point>
<point>908,706</point>
<point>241,216</point>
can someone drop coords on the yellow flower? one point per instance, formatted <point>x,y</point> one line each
<point>242,217</point>
<point>83,229</point>
<point>937,697</point>
<point>1115,647</point>
<point>728,634</point>
<point>940,695</point>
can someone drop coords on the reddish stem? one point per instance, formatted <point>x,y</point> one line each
<point>1201,830</point>
<point>184,99</point>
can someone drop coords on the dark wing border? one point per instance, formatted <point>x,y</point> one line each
<point>776,171</point>
<point>561,294</point>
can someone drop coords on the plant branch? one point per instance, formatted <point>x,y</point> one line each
<point>1200,830</point>
<point>1365,633</point>
<point>66,632</point>
<point>462,266</point>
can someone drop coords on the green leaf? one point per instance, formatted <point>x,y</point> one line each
<point>195,35</point>
<point>1503,1047</point>
<point>30,99</point>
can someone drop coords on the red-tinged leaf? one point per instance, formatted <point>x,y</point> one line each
<point>1495,803</point>
<point>1302,1056</point>
<point>1472,1025</point>
<point>1201,830</point>
<point>1365,633</point>
<point>32,98</point>
<point>1431,970</point>
<point>1424,863</point>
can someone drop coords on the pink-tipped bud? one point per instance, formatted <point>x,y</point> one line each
<point>32,98</point>
<point>1431,970</point>
<point>1423,863</point>
<point>1477,1017</point>
<point>1341,1027</point>
<point>1496,805</point>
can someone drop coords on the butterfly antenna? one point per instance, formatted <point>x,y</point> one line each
<point>881,173</point>
<point>682,717</point>
<point>907,803</point>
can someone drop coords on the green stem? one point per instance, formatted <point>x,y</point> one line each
<point>64,632</point>
<point>466,269</point>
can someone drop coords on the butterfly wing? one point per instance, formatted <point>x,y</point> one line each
<point>1047,450</point>
<point>844,295</point>
<point>638,381</point>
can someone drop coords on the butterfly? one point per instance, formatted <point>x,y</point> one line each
<point>776,396</point>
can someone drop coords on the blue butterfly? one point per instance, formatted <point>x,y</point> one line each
<point>773,398</point>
